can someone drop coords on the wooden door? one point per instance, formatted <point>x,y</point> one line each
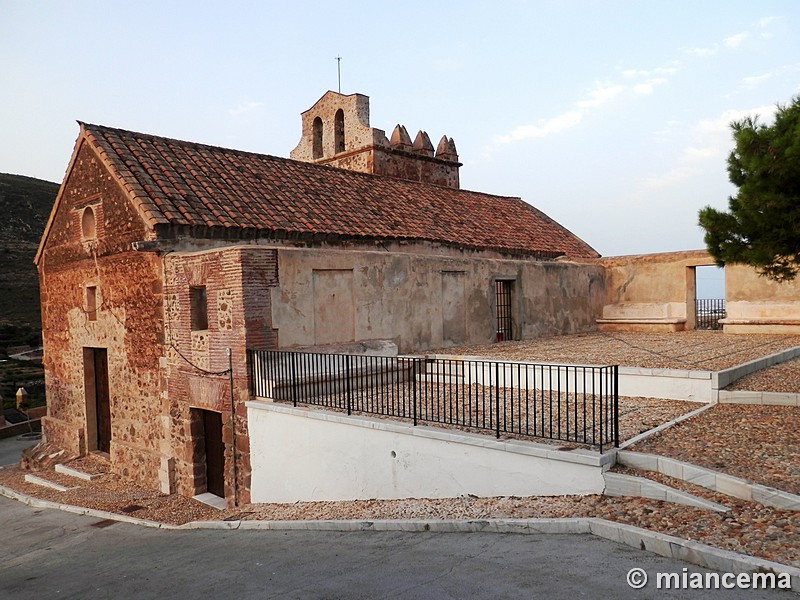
<point>102,399</point>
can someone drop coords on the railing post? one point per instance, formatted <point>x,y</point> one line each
<point>294,378</point>
<point>414,388</point>
<point>348,385</point>
<point>616,406</point>
<point>497,397</point>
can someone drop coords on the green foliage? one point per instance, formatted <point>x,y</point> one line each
<point>762,224</point>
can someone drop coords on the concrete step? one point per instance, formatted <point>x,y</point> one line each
<point>46,483</point>
<point>211,500</point>
<point>707,478</point>
<point>65,470</point>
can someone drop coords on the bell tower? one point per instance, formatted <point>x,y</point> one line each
<point>336,132</point>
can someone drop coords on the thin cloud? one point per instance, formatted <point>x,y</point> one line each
<point>765,22</point>
<point>244,107</point>
<point>647,87</point>
<point>670,178</point>
<point>711,140</point>
<point>756,80</point>
<point>658,72</point>
<point>602,93</point>
<point>543,128</point>
<point>693,153</point>
<point>703,52</point>
<point>737,40</point>
<point>722,124</point>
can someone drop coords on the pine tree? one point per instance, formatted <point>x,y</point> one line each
<point>762,225</point>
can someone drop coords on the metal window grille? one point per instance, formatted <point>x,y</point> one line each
<point>503,289</point>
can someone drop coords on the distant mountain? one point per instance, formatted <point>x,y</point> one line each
<point>25,205</point>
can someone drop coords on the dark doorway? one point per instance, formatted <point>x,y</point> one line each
<point>211,450</point>
<point>98,399</point>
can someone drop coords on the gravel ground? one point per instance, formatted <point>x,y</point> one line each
<point>759,443</point>
<point>784,377</point>
<point>542,417</point>
<point>699,350</point>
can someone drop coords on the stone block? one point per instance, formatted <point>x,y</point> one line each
<point>700,476</point>
<point>735,487</point>
<point>670,467</point>
<point>618,484</point>
<point>638,460</point>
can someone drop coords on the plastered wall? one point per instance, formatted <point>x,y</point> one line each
<point>426,301</point>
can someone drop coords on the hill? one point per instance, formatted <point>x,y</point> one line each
<point>25,204</point>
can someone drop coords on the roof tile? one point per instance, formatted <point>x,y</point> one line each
<point>192,184</point>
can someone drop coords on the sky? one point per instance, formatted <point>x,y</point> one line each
<point>613,117</point>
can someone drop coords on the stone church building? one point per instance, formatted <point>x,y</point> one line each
<point>164,260</point>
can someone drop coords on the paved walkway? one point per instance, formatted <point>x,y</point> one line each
<point>117,560</point>
<point>11,448</point>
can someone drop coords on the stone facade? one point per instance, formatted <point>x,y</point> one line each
<point>126,320</point>
<point>196,362</point>
<point>336,132</point>
<point>148,316</point>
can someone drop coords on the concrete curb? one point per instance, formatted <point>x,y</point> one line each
<point>79,510</point>
<point>620,484</point>
<point>707,478</point>
<point>663,426</point>
<point>760,398</point>
<point>725,377</point>
<point>635,537</point>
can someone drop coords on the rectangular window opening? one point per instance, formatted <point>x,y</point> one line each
<point>198,308</point>
<point>91,302</point>
<point>503,290</point>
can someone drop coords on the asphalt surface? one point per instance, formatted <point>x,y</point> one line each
<point>52,554</point>
<point>11,448</point>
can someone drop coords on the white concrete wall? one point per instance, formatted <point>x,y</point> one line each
<point>300,454</point>
<point>668,384</point>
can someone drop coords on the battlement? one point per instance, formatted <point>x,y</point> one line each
<point>336,132</point>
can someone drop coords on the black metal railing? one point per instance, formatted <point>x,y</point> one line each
<point>569,403</point>
<point>708,313</point>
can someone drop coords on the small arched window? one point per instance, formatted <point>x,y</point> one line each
<point>338,130</point>
<point>316,149</point>
<point>88,224</point>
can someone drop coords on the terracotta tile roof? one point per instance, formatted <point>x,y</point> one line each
<point>245,194</point>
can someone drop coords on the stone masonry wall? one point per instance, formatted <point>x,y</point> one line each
<point>425,301</point>
<point>127,322</point>
<point>196,363</point>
